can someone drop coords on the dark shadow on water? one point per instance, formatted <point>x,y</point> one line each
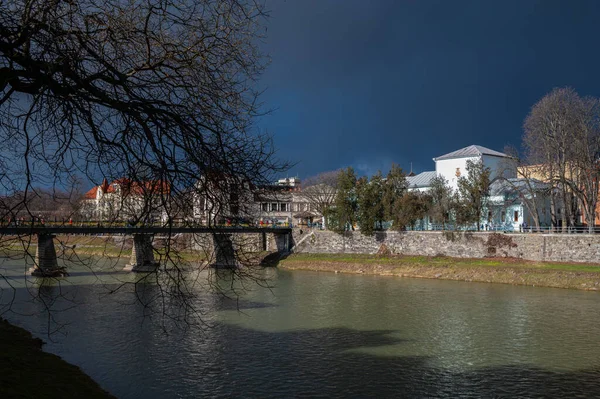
<point>97,273</point>
<point>318,363</point>
<point>114,295</point>
<point>229,361</point>
<point>221,303</point>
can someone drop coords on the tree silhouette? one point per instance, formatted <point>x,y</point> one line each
<point>157,90</point>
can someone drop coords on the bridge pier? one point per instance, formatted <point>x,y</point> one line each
<point>282,242</point>
<point>224,252</point>
<point>142,255</point>
<point>45,263</point>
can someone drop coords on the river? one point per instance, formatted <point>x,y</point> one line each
<point>324,335</point>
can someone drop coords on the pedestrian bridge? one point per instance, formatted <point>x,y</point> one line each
<point>142,254</point>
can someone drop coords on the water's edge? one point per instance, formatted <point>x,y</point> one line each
<point>25,360</point>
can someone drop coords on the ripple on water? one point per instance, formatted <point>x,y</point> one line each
<point>333,335</point>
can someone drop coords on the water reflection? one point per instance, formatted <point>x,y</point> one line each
<point>327,335</point>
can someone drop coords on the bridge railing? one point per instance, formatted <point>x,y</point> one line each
<point>91,224</point>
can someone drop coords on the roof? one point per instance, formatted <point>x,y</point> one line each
<point>91,194</point>
<point>423,179</point>
<point>130,187</point>
<point>94,190</point>
<point>515,184</point>
<point>471,151</point>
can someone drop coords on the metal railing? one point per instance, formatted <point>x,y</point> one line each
<point>118,224</point>
<point>510,228</point>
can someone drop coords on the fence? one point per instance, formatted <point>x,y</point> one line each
<point>509,228</point>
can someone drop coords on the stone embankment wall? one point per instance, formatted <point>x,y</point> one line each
<point>247,242</point>
<point>539,247</point>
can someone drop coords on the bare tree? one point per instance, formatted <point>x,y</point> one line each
<point>319,191</point>
<point>147,90</point>
<point>561,140</point>
<point>585,180</point>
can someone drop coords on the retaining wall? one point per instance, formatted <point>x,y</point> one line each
<point>540,247</point>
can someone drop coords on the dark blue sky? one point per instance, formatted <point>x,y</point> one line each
<point>367,83</point>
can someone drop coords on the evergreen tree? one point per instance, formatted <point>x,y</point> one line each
<point>474,191</point>
<point>370,206</point>
<point>410,208</point>
<point>346,203</point>
<point>378,184</point>
<point>441,200</point>
<point>394,187</point>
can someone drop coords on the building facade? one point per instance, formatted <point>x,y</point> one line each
<point>126,200</point>
<point>513,202</point>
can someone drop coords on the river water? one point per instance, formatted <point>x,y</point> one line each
<point>323,335</point>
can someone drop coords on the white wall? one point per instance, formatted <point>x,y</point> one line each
<point>448,167</point>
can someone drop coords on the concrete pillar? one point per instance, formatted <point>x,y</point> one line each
<point>46,264</point>
<point>142,255</point>
<point>224,252</point>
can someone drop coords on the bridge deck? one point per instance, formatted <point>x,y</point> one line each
<point>24,230</point>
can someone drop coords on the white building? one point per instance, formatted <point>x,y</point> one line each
<point>124,199</point>
<point>512,201</point>
<point>454,165</point>
<point>420,182</point>
<point>226,201</point>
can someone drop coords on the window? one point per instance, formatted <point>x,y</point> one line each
<point>516,216</point>
<point>283,207</point>
<point>489,216</point>
<point>503,216</point>
<point>274,207</point>
<point>265,207</point>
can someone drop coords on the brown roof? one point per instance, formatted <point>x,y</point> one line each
<point>91,194</point>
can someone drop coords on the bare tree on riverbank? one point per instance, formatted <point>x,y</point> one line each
<point>319,191</point>
<point>158,90</point>
<point>562,142</point>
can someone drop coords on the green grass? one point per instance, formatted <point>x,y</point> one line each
<point>28,372</point>
<point>487,270</point>
<point>444,261</point>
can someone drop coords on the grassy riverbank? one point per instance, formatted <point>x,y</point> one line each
<point>98,246</point>
<point>489,270</point>
<point>28,372</point>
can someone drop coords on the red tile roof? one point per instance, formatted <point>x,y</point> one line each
<point>91,194</point>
